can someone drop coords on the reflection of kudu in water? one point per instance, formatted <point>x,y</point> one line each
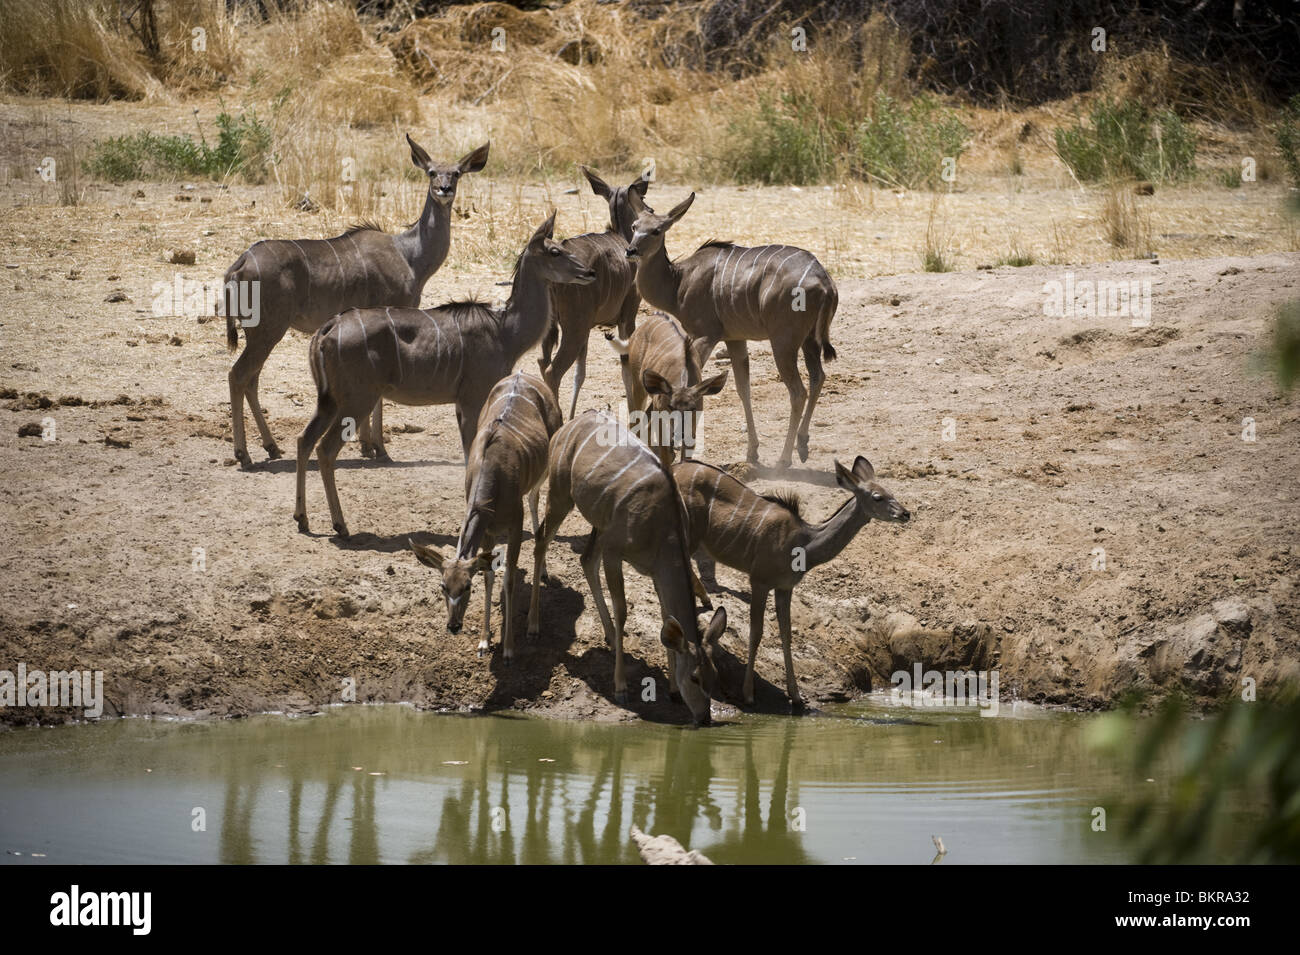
<point>237,821</point>
<point>750,841</point>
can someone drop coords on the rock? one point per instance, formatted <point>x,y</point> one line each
<point>117,295</point>
<point>30,430</point>
<point>179,256</point>
<point>665,850</point>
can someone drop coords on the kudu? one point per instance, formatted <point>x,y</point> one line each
<point>452,354</point>
<point>302,283</point>
<point>764,536</point>
<point>728,293</point>
<point>611,300</point>
<point>628,496</point>
<point>506,462</point>
<point>661,378</point>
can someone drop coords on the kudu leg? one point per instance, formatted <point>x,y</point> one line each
<point>812,359</point>
<point>558,504</point>
<point>259,418</point>
<point>372,434</point>
<point>579,376</point>
<point>591,561</point>
<point>787,366</point>
<point>326,454</point>
<point>739,354</point>
<point>485,638</point>
<point>783,621</point>
<point>757,608</point>
<point>324,419</point>
<point>242,374</point>
<point>569,351</point>
<point>508,591</point>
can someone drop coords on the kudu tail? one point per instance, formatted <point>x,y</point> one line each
<point>618,344</point>
<point>230,304</point>
<point>822,331</point>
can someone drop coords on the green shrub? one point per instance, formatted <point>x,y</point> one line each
<point>778,144</point>
<point>1127,140</point>
<point>243,146</point>
<point>906,145</point>
<point>1287,133</point>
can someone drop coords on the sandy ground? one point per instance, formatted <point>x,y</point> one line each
<point>1087,517</point>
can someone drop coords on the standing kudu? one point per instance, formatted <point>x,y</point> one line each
<point>631,501</point>
<point>727,293</point>
<point>301,283</point>
<point>452,354</point>
<point>506,462</point>
<point>611,300</point>
<point>764,536</point>
<point>660,368</point>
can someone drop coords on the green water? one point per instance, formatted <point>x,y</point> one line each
<point>864,784</point>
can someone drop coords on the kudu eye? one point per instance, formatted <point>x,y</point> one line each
<point>877,497</point>
<point>555,251</point>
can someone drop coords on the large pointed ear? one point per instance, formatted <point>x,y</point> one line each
<point>717,627</point>
<point>428,556</point>
<point>419,157</point>
<point>679,210</point>
<point>655,383</point>
<point>672,635</point>
<point>475,161</point>
<point>863,471</point>
<point>711,386</point>
<point>545,230</point>
<point>482,562</point>
<point>599,186</point>
<point>638,186</point>
<point>844,478</point>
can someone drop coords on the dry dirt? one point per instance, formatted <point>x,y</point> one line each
<point>1070,437</point>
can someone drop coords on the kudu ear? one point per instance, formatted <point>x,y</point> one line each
<point>638,186</point>
<point>599,186</point>
<point>655,383</point>
<point>716,628</point>
<point>428,556</point>
<point>545,230</point>
<point>672,637</point>
<point>711,386</point>
<point>482,562</point>
<point>475,161</point>
<point>419,157</point>
<point>844,478</point>
<point>863,471</point>
<point>679,210</point>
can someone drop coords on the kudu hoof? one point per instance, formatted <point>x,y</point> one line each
<point>798,706</point>
<point>302,523</point>
<point>383,458</point>
<point>803,449</point>
<point>244,460</point>
<point>273,451</point>
<point>341,531</point>
<point>620,697</point>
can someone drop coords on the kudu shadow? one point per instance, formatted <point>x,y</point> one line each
<point>288,465</point>
<point>529,674</point>
<point>394,543</point>
<point>795,475</point>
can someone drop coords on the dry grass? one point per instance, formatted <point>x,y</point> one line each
<point>1125,223</point>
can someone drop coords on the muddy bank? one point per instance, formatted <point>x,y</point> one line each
<point>1087,517</point>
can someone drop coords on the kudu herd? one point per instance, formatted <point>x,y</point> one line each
<point>358,295</point>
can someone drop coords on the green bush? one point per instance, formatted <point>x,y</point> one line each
<point>1127,140</point>
<point>789,141</point>
<point>778,144</point>
<point>1287,133</point>
<point>905,145</point>
<point>243,146</point>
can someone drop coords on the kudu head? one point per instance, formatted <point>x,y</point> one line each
<point>694,662</point>
<point>457,579</point>
<point>553,261</point>
<point>679,405</point>
<point>872,500</point>
<point>625,202</point>
<point>444,177</point>
<point>649,228</point>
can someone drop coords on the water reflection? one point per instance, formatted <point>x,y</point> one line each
<point>388,784</point>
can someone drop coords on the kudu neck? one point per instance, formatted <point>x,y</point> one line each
<point>833,535</point>
<point>658,280</point>
<point>528,312</point>
<point>425,243</point>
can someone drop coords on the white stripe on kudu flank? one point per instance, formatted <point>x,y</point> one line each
<point>397,343</point>
<point>306,261</point>
<point>635,484</point>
